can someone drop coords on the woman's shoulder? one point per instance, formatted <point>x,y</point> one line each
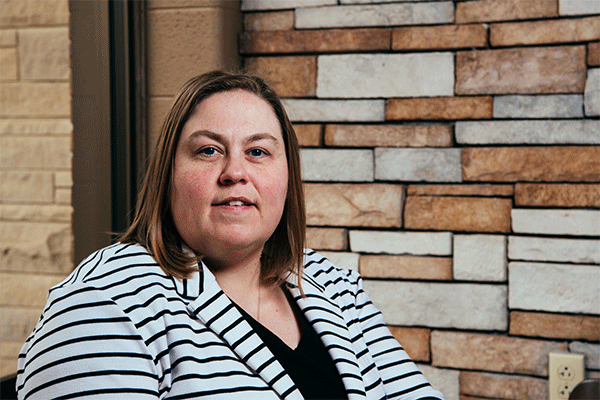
<point>320,268</point>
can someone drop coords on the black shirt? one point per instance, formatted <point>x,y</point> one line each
<point>309,365</point>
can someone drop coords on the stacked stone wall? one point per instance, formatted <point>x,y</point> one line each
<point>35,164</point>
<point>450,154</point>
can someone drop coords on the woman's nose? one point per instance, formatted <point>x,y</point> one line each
<point>234,171</point>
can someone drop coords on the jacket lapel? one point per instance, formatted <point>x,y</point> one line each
<point>218,313</point>
<point>326,319</point>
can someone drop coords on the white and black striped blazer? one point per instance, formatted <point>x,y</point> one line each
<point>120,328</point>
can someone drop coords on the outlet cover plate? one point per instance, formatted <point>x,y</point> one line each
<point>565,372</point>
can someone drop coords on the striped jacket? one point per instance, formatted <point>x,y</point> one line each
<point>120,328</point>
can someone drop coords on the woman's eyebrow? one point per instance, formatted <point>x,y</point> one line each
<point>217,137</point>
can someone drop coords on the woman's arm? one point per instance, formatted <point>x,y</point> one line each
<point>85,346</point>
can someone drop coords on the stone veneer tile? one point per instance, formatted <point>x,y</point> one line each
<point>310,110</point>
<point>430,165</point>
<point>565,288</point>
<point>314,41</point>
<point>488,352</point>
<point>342,260</point>
<point>36,213</point>
<point>479,257</point>
<point>26,127</point>
<point>249,5</point>
<point>592,94</point>
<point>23,13</point>
<point>558,326</point>
<point>485,190</point>
<point>414,340</point>
<point>35,152</point>
<point>593,58</point>
<point>457,214</point>
<point>44,54</point>
<point>157,4</point>
<point>26,187</point>
<point>63,178</point>
<point>9,353</point>
<point>528,132</point>
<point>444,380</point>
<point>503,10</point>
<point>521,70</point>
<point>545,32</point>
<point>309,135</point>
<point>8,65</point>
<point>437,108</point>
<point>533,164</point>
<point>499,386</point>
<point>439,37</point>
<point>441,305</point>
<point>269,21</point>
<point>327,238</point>
<point>416,243</point>
<point>334,165</point>
<point>390,75</point>
<point>17,323</point>
<point>278,71</point>
<point>591,352</point>
<point>556,222</point>
<point>388,135</point>
<point>405,267</point>
<point>557,194</point>
<point>8,37</point>
<point>375,15</point>
<point>578,7</point>
<point>25,290</point>
<point>539,106</point>
<point>578,251</point>
<point>25,99</point>
<point>368,205</point>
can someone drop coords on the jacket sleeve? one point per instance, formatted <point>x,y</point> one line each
<point>85,346</point>
<point>400,376</point>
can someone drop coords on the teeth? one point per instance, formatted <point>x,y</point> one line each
<point>236,203</point>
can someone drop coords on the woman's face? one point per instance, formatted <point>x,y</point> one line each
<point>230,176</point>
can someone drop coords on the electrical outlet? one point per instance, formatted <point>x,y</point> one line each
<point>565,372</point>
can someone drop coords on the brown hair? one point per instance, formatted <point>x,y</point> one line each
<point>153,225</point>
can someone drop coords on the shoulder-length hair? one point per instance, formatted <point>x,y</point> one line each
<point>153,225</point>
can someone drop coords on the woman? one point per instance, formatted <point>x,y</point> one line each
<point>209,293</point>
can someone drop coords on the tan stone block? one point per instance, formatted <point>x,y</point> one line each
<point>485,190</point>
<point>327,238</point>
<point>439,37</point>
<point>559,326</point>
<point>593,57</point>
<point>158,107</point>
<point>36,247</point>
<point>414,340</point>
<point>36,213</point>
<point>373,205</point>
<point>269,21</point>
<point>8,64</point>
<point>545,32</point>
<point>8,38</point>
<point>405,267</point>
<point>521,70</point>
<point>9,352</point>
<point>19,13</point>
<point>44,54</point>
<point>157,4</point>
<point>557,195</point>
<point>388,135</point>
<point>186,42</point>
<point>17,323</point>
<point>35,100</point>
<point>317,41</point>
<point>457,214</point>
<point>289,76</point>
<point>63,179</point>
<point>499,386</point>
<point>503,10</point>
<point>35,152</point>
<point>62,195</point>
<point>439,108</point>
<point>531,164</point>
<point>26,187</point>
<point>25,290</point>
<point>309,135</point>
<point>487,352</point>
<point>24,127</point>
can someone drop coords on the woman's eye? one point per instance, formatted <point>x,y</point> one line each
<point>207,151</point>
<point>257,152</point>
